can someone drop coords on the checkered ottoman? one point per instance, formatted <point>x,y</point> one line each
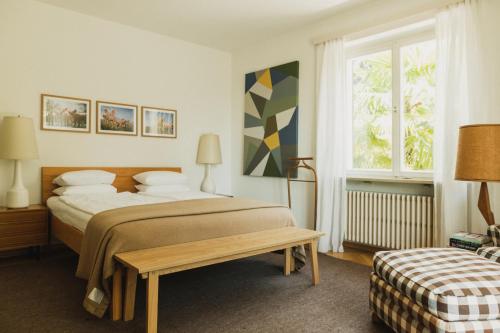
<point>436,290</point>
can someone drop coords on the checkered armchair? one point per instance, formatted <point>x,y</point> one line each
<point>491,253</point>
<point>494,233</point>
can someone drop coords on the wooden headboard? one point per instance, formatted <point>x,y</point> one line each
<point>123,182</point>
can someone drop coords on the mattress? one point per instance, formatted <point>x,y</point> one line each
<point>77,210</point>
<point>67,214</point>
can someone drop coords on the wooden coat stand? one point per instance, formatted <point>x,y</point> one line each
<point>300,162</point>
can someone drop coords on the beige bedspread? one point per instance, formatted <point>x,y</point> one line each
<point>147,226</point>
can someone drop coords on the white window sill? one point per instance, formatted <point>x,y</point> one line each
<point>390,179</point>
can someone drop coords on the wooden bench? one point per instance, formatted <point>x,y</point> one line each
<point>152,263</point>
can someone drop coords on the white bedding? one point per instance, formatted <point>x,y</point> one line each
<point>77,210</point>
<point>182,195</point>
<point>67,214</point>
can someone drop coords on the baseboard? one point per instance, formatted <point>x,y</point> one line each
<point>363,247</point>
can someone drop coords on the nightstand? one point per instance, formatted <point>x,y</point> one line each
<point>24,227</point>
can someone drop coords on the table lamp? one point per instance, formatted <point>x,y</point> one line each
<point>478,159</point>
<point>208,154</point>
<point>17,142</point>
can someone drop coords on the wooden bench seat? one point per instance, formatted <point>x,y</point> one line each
<point>152,263</point>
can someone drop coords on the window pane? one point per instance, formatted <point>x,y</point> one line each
<point>371,112</point>
<point>418,84</point>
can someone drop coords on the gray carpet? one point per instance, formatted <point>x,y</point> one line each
<point>248,295</point>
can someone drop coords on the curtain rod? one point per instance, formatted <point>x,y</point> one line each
<point>350,35</point>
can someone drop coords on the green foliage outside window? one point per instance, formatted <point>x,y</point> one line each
<point>372,119</point>
<point>418,89</point>
<point>372,105</point>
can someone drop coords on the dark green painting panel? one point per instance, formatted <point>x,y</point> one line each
<point>271,120</point>
<point>290,69</point>
<point>251,121</point>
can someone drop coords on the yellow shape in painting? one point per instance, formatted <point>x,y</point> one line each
<point>265,79</point>
<point>272,141</point>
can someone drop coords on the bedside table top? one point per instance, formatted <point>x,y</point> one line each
<point>27,209</point>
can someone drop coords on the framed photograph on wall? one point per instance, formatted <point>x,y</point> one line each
<point>60,113</point>
<point>159,123</point>
<point>116,118</point>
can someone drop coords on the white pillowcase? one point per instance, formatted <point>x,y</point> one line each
<point>162,188</point>
<point>161,178</point>
<point>85,189</point>
<point>85,177</point>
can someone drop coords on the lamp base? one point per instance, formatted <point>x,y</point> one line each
<point>17,198</point>
<point>207,185</point>
<point>484,204</point>
<point>18,195</point>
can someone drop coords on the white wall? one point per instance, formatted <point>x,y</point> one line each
<point>46,49</point>
<point>297,45</point>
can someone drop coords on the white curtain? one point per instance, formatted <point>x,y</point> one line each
<point>459,102</point>
<point>331,140</point>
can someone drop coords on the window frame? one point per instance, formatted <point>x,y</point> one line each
<point>394,43</point>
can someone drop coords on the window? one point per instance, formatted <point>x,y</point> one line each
<point>391,86</point>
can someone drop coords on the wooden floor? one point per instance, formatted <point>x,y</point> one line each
<point>353,255</point>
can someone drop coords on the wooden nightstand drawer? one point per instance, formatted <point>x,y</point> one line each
<point>13,242</point>
<point>13,229</point>
<point>19,217</point>
<point>23,227</point>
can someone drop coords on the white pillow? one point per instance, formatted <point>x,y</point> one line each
<point>161,178</point>
<point>85,189</point>
<point>85,177</point>
<point>162,188</point>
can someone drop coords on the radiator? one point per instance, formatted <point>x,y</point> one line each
<point>395,221</point>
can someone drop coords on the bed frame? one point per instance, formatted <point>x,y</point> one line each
<point>68,234</point>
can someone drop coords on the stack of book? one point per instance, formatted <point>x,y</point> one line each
<point>468,241</point>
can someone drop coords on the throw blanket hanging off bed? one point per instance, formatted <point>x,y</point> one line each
<point>111,232</point>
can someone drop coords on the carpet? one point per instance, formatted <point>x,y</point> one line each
<point>249,295</point>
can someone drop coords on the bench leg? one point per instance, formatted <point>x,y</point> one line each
<point>116,302</point>
<point>313,250</point>
<point>288,261</point>
<point>152,303</point>
<point>130,288</point>
<point>292,261</point>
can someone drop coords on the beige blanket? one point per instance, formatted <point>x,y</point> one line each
<point>147,226</point>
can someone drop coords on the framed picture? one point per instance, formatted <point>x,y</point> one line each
<point>59,113</point>
<point>116,118</point>
<point>159,123</point>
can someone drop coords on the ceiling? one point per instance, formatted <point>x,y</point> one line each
<point>222,24</point>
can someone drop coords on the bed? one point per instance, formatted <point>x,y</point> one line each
<point>69,233</point>
<point>155,224</point>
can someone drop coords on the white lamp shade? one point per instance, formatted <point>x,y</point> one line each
<point>209,149</point>
<point>17,139</point>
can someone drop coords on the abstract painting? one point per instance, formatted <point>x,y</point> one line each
<point>159,123</point>
<point>61,113</point>
<point>271,120</point>
<point>116,118</point>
